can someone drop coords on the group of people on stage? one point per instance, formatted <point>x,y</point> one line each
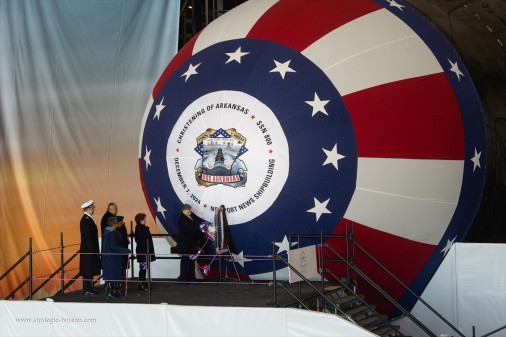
<point>113,259</point>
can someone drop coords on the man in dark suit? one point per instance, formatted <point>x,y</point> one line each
<point>112,210</point>
<point>89,261</point>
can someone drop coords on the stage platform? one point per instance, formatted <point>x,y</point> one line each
<point>207,308</point>
<point>201,293</point>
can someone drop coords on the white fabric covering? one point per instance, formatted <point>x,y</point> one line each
<point>468,289</point>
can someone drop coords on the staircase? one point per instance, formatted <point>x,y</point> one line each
<point>338,295</point>
<point>351,306</point>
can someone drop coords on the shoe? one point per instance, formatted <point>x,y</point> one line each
<point>110,296</point>
<point>116,290</point>
<point>89,293</point>
<point>143,286</point>
<point>109,291</point>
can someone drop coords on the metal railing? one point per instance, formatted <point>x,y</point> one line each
<point>350,291</point>
<point>66,283</point>
<point>350,245</point>
<point>277,257</point>
<point>349,260</point>
<point>491,332</point>
<point>434,311</point>
<point>29,280</point>
<point>386,295</point>
<point>321,294</point>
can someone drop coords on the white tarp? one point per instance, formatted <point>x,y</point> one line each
<point>47,318</point>
<point>468,289</point>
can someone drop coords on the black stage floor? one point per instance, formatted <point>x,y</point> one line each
<point>202,293</point>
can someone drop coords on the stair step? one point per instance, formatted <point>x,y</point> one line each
<point>348,300</point>
<point>358,310</point>
<point>383,330</point>
<point>333,288</point>
<point>371,321</point>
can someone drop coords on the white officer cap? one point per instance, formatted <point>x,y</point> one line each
<point>87,204</point>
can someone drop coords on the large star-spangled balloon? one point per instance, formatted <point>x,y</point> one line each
<point>303,121</point>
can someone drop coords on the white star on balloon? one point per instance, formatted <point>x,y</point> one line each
<point>476,159</point>
<point>240,258</point>
<point>393,3</point>
<point>319,208</point>
<point>455,69</point>
<point>192,70</point>
<point>159,108</point>
<point>284,245</point>
<point>159,207</point>
<point>332,157</point>
<point>236,56</point>
<point>448,246</point>
<point>282,68</point>
<point>318,105</point>
<point>147,158</point>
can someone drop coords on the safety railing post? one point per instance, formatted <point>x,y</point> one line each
<point>299,285</point>
<point>347,249</point>
<point>274,285</point>
<point>62,265</point>
<point>148,267</point>
<point>132,271</point>
<point>30,267</point>
<point>322,268</point>
<point>353,256</point>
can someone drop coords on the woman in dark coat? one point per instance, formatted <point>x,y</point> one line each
<point>112,258</point>
<point>143,240</point>
<point>125,241</point>
<point>187,242</point>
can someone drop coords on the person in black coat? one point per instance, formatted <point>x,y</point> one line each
<point>124,241</point>
<point>112,210</point>
<point>143,240</point>
<point>187,242</point>
<point>123,234</point>
<point>89,260</point>
<point>112,259</point>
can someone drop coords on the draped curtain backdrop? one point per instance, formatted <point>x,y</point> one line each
<point>75,77</point>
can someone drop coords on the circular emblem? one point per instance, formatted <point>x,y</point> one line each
<point>241,163</point>
<point>268,148</point>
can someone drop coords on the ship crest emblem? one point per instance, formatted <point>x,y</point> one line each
<point>219,163</point>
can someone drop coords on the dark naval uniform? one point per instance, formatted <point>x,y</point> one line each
<point>89,264</point>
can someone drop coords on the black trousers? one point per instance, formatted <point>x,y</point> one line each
<point>87,283</point>
<point>187,269</point>
<point>142,275</point>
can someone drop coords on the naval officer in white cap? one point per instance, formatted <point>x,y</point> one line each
<point>89,262</point>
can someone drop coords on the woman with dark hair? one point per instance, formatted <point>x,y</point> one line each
<point>187,242</point>
<point>143,240</point>
<point>112,258</point>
